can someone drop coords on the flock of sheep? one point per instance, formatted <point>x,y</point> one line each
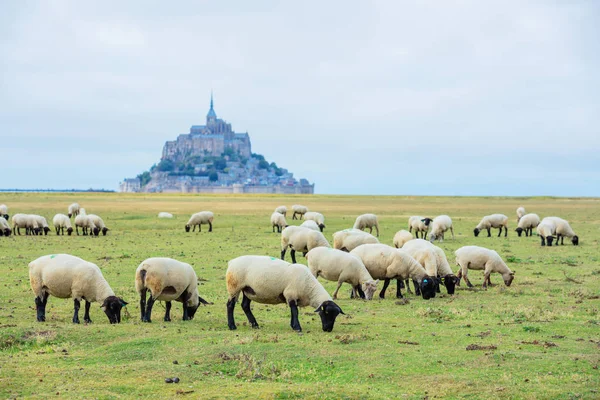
<point>356,258</point>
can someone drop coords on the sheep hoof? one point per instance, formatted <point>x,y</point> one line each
<point>87,321</point>
<point>232,327</point>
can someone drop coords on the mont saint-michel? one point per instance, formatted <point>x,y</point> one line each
<point>212,158</point>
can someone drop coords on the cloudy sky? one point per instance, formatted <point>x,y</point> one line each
<point>362,97</point>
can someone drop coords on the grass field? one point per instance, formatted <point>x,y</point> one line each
<point>545,327</point>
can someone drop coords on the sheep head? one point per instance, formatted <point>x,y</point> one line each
<point>476,232</point>
<point>574,240</point>
<point>112,306</point>
<point>428,287</point>
<point>370,287</point>
<point>328,311</point>
<point>450,281</point>
<point>519,231</point>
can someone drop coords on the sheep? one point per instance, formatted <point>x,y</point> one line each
<point>520,213</point>
<point>202,217</point>
<point>99,224</point>
<point>268,280</point>
<point>546,230</point>
<point>317,217</point>
<point>310,224</point>
<point>365,221</point>
<point>4,227</point>
<point>339,266</point>
<point>385,262</point>
<point>419,224</point>
<point>66,276</point>
<point>74,210</point>
<point>4,211</point>
<point>278,220</point>
<point>42,223</point>
<point>281,210</point>
<point>85,223</point>
<point>301,239</point>
<point>300,210</point>
<point>167,280</point>
<point>348,239</point>
<point>439,225</point>
<point>164,214</point>
<point>563,229</point>
<point>402,237</point>
<point>526,223</point>
<point>434,260</point>
<point>60,222</point>
<point>492,221</point>
<point>480,258</point>
<point>25,221</point>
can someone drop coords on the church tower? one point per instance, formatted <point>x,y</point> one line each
<point>211,117</point>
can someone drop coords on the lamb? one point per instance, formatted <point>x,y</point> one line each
<point>99,224</point>
<point>4,211</point>
<point>164,214</point>
<point>339,266</point>
<point>25,221</point>
<point>439,225</point>
<point>301,239</point>
<point>281,210</point>
<point>278,220</point>
<point>202,217</point>
<point>367,221</point>
<point>546,230</point>
<point>4,227</point>
<point>85,223</point>
<point>434,260</point>
<point>480,258</point>
<point>66,276</point>
<point>74,210</point>
<point>42,223</point>
<point>526,223</point>
<point>385,262</point>
<point>419,224</point>
<point>563,229</point>
<point>317,217</point>
<point>60,222</point>
<point>167,280</point>
<point>268,280</point>
<point>300,210</point>
<point>310,224</point>
<point>348,239</point>
<point>492,221</point>
<point>401,237</point>
<point>520,213</point>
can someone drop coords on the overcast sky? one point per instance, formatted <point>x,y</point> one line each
<point>360,97</point>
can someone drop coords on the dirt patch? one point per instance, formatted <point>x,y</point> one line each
<point>480,347</point>
<point>538,343</point>
<point>408,342</point>
<point>46,335</point>
<point>402,302</point>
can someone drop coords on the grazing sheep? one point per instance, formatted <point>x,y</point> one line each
<point>546,230</point>
<point>349,239</point>
<point>281,210</point>
<point>563,229</point>
<point>385,262</point>
<point>310,224</point>
<point>419,224</point>
<point>164,214</point>
<point>365,221</point>
<point>339,266</point>
<point>25,221</point>
<point>402,237</point>
<point>60,222</point>
<point>74,210</point>
<point>480,258</point>
<point>4,227</point>
<point>268,280</point>
<point>301,239</point>
<point>278,220</point>
<point>439,225</point>
<point>4,211</point>
<point>99,224</point>
<point>42,224</point>
<point>317,217</point>
<point>66,276</point>
<point>526,223</point>
<point>202,217</point>
<point>434,260</point>
<point>167,280</point>
<point>300,210</point>
<point>86,224</point>
<point>492,221</point>
<point>520,213</point>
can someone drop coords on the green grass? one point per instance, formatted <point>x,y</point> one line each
<point>545,327</point>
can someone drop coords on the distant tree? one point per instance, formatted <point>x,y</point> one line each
<point>166,165</point>
<point>213,177</point>
<point>144,178</point>
<point>262,164</point>
<point>278,172</point>
<point>220,164</point>
<point>259,157</point>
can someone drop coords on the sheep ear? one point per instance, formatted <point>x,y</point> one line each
<point>123,302</point>
<point>319,309</point>
<point>513,273</point>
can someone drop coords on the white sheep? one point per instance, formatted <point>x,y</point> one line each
<point>4,227</point>
<point>348,239</point>
<point>439,226</point>
<point>563,229</point>
<point>281,210</point>
<point>365,221</point>
<point>402,237</point>
<point>42,224</point>
<point>60,222</point>
<point>546,230</point>
<point>86,224</point>
<point>317,217</point>
<point>339,266</point>
<point>300,210</point>
<point>167,280</point>
<point>492,221</point>
<point>386,262</point>
<point>25,221</point>
<point>434,260</point>
<point>301,239</point>
<point>66,276</point>
<point>526,223</point>
<point>74,210</point>
<point>99,224</point>
<point>164,214</point>
<point>268,280</point>
<point>202,217</point>
<point>419,224</point>
<point>310,224</point>
<point>278,220</point>
<point>480,258</point>
<point>520,213</point>
<point>4,211</point>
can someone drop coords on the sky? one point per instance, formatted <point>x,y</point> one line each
<point>361,97</point>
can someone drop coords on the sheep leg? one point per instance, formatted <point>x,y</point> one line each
<point>360,291</point>
<point>274,229</point>
<point>56,228</point>
<point>230,319</point>
<point>407,285</point>
<point>452,231</point>
<point>377,229</point>
<point>417,288</point>
<point>386,283</point>
<point>168,311</point>
<point>209,226</point>
<point>199,227</point>
<point>293,254</point>
<point>486,278</point>
<point>336,290</point>
<point>86,315</point>
<point>148,315</point>
<point>458,276</point>
<point>76,311</point>
<point>467,281</point>
<point>294,216</point>
<point>246,307</point>
<point>399,285</point>
<point>40,306</point>
<point>425,235</point>
<point>143,304</point>
<point>294,323</point>
<point>371,230</point>
<point>283,253</point>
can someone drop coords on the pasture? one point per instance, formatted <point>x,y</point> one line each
<point>539,338</point>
